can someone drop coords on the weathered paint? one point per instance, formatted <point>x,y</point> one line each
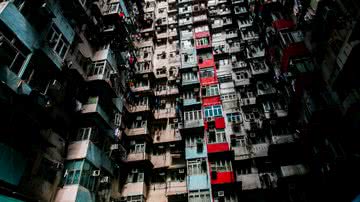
<point>209,101</point>
<point>218,147</point>
<point>223,178</point>
<point>197,182</point>
<point>192,153</point>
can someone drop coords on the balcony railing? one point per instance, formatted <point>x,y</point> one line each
<point>249,181</point>
<point>140,156</point>
<point>134,189</point>
<point>194,123</point>
<point>137,131</point>
<point>169,135</point>
<point>293,170</point>
<point>283,139</point>
<point>165,113</point>
<point>176,187</point>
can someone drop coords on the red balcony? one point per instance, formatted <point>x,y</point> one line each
<point>202,34</point>
<point>209,80</point>
<point>219,123</point>
<point>222,177</point>
<point>212,100</point>
<point>293,50</point>
<point>206,62</point>
<point>217,147</point>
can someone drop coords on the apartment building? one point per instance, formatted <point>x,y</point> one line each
<point>188,100</point>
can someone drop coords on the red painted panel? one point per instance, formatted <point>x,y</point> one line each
<point>202,34</point>
<point>213,100</point>
<point>283,24</point>
<point>203,46</point>
<point>217,147</point>
<point>208,80</point>
<point>297,49</point>
<point>219,123</point>
<point>223,178</point>
<point>207,63</point>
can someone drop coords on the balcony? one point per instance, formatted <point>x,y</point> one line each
<point>165,113</point>
<point>140,156</point>
<point>220,48</point>
<point>137,131</point>
<point>167,90</point>
<point>140,87</point>
<point>144,68</point>
<point>245,23</point>
<point>255,52</point>
<point>230,35</point>
<point>201,34</point>
<point>105,54</point>
<point>176,187</point>
<point>293,170</point>
<point>202,43</point>
<point>240,10</point>
<point>218,23</point>
<point>161,160</point>
<point>206,61</point>
<point>234,47</point>
<point>247,101</point>
<point>222,177</point>
<point>144,43</point>
<point>197,182</point>
<point>265,89</point>
<point>249,35</point>
<point>134,189</point>
<point>85,149</point>
<point>135,108</point>
<point>259,150</point>
<point>95,111</point>
<point>169,135</point>
<point>188,124</point>
<point>197,151</point>
<point>217,147</point>
<point>258,68</point>
<point>190,80</point>
<point>284,139</point>
<point>241,152</point>
<point>200,18</point>
<point>185,21</point>
<point>185,9</point>
<point>188,58</point>
<point>249,181</point>
<point>191,101</point>
<point>186,34</point>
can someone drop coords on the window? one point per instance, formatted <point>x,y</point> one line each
<point>217,136</point>
<point>137,148</point>
<point>221,166</point>
<point>161,10</point>
<point>57,42</point>
<point>241,75</point>
<point>192,115</point>
<point>199,196</point>
<point>85,134</point>
<point>234,117</point>
<point>135,175</point>
<point>209,72</point>
<point>192,141</point>
<point>13,54</point>
<point>196,167</point>
<point>189,76</point>
<point>212,111</point>
<point>210,90</point>
<point>100,67</point>
<point>176,176</point>
<point>114,7</point>
<point>132,199</point>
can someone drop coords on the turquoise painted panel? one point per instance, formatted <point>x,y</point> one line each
<point>12,165</point>
<point>18,24</point>
<point>83,195</point>
<point>196,182</point>
<point>189,102</point>
<point>123,8</point>
<point>53,57</point>
<point>103,114</point>
<point>99,158</point>
<point>192,153</point>
<point>94,155</point>
<point>61,22</point>
<point>12,81</point>
<point>119,103</point>
<point>74,165</point>
<point>8,199</point>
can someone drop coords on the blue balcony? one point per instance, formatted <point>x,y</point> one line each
<point>196,152</point>
<point>197,182</point>
<point>191,101</point>
<point>93,110</point>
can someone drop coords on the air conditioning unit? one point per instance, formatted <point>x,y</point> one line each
<point>135,170</point>
<point>138,118</point>
<point>96,173</point>
<point>252,135</point>
<point>162,174</point>
<point>104,179</point>
<point>114,147</point>
<point>132,142</point>
<point>220,193</point>
<point>175,120</point>
<point>181,170</point>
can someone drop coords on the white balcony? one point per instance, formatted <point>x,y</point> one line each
<point>141,156</point>
<point>169,135</point>
<point>137,131</point>
<point>260,150</point>
<point>165,113</point>
<point>162,160</point>
<point>283,139</point>
<point>249,181</point>
<point>134,189</point>
<point>293,170</point>
<point>175,188</point>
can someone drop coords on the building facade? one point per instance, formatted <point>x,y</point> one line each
<point>178,100</point>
